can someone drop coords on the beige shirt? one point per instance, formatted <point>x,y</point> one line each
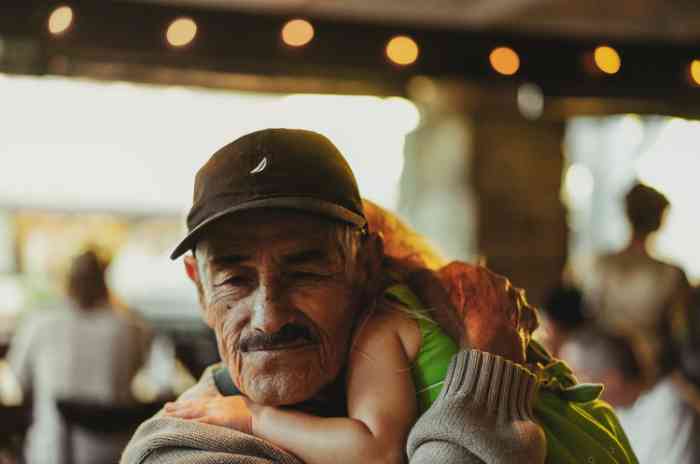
<point>632,294</point>
<point>661,426</point>
<point>73,355</point>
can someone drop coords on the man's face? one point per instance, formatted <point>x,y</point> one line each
<point>282,297</point>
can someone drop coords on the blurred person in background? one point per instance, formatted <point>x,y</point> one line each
<point>599,357</point>
<point>89,351</point>
<point>664,424</point>
<point>635,295</point>
<point>563,314</point>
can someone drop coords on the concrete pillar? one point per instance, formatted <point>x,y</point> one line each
<point>480,180</point>
<point>436,197</point>
<point>517,171</point>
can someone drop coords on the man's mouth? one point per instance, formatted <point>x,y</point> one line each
<point>281,346</point>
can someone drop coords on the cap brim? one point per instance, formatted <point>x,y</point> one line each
<point>310,205</point>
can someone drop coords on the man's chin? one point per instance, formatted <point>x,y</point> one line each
<point>281,377</point>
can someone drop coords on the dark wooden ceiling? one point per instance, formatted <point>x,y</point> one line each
<point>648,20</point>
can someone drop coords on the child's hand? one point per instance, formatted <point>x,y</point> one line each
<point>226,411</point>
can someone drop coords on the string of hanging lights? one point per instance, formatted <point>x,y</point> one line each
<point>273,44</point>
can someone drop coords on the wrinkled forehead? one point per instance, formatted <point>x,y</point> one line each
<point>272,231</point>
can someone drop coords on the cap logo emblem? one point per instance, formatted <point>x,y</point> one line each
<point>260,167</point>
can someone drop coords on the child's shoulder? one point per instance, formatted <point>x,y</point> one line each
<point>390,320</point>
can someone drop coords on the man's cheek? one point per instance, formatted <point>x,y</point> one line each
<point>227,329</point>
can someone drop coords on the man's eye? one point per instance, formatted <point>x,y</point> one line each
<point>236,281</point>
<point>307,275</point>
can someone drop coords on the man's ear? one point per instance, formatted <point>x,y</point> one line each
<point>191,268</point>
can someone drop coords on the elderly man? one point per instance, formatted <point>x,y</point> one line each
<point>285,270</point>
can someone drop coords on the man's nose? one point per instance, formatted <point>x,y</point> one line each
<point>270,310</point>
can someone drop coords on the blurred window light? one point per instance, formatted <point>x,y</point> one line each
<point>7,243</point>
<point>530,101</point>
<point>402,50</point>
<point>60,20</point>
<point>12,295</point>
<point>149,165</point>
<point>297,33</point>
<point>403,114</point>
<point>630,131</point>
<point>671,165</point>
<point>695,71</point>
<point>181,32</point>
<point>578,186</point>
<point>618,151</point>
<point>504,60</point>
<point>607,59</point>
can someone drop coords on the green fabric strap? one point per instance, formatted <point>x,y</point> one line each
<point>580,428</point>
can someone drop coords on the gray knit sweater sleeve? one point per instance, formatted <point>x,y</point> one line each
<point>483,415</point>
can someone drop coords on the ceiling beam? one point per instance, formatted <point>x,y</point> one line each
<point>249,44</point>
<point>495,12</point>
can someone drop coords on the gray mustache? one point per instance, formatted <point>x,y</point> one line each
<point>287,335</point>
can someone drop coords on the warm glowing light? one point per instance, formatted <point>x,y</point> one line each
<point>181,32</point>
<point>607,59</point>
<point>695,71</point>
<point>297,33</point>
<point>60,20</point>
<point>504,60</point>
<point>402,50</point>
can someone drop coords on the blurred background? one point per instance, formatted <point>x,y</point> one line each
<point>504,130</point>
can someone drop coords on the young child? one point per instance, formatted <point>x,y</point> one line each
<point>396,368</point>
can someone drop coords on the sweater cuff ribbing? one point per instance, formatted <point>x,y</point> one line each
<point>493,383</point>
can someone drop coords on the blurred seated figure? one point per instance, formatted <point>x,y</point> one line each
<point>598,357</point>
<point>87,352</point>
<point>563,314</point>
<point>632,294</point>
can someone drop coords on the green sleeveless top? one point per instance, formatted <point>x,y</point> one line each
<point>436,349</point>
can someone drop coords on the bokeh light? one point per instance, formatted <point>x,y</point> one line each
<point>695,71</point>
<point>60,20</point>
<point>504,60</point>
<point>297,33</point>
<point>607,59</point>
<point>530,101</point>
<point>402,50</point>
<point>181,32</point>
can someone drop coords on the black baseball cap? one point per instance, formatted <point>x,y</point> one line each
<point>274,168</point>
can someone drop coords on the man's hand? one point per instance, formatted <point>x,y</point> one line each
<point>233,412</point>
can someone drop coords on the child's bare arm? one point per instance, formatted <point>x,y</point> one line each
<point>381,406</point>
